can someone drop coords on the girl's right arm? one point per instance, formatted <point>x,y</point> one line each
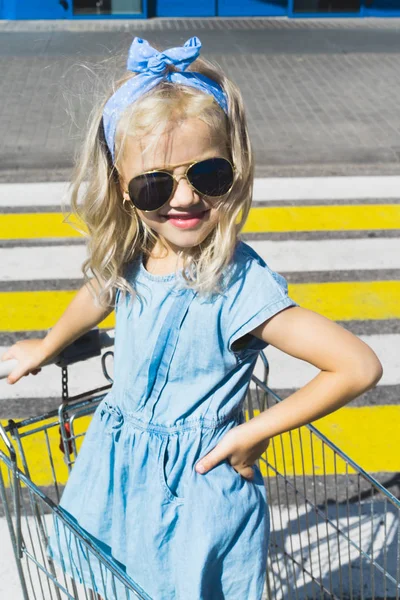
<point>80,316</point>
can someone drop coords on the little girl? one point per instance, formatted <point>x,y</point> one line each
<point>166,480</point>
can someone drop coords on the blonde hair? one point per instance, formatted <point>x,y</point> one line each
<point>115,236</point>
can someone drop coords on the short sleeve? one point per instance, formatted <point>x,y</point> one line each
<point>255,294</point>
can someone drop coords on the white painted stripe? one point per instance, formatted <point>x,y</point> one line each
<point>22,264</point>
<point>326,188</point>
<point>289,372</point>
<point>330,555</point>
<point>285,372</point>
<point>265,188</point>
<point>83,377</point>
<point>10,586</point>
<point>303,534</point>
<point>36,580</point>
<point>329,255</point>
<point>29,264</point>
<point>32,194</point>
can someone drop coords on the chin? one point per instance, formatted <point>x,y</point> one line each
<point>186,241</point>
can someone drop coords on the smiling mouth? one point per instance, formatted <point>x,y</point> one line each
<point>186,216</point>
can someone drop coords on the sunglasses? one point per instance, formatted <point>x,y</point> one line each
<point>211,177</point>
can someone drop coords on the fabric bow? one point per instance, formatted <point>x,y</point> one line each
<point>144,58</point>
<point>151,67</point>
<point>115,413</point>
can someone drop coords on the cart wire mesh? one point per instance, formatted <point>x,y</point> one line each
<point>334,528</point>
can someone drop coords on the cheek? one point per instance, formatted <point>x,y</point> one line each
<point>152,221</point>
<point>214,216</point>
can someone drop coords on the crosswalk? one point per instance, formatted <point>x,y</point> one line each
<point>337,242</point>
<point>335,239</point>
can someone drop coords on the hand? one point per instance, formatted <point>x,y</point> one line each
<point>239,447</point>
<point>30,355</point>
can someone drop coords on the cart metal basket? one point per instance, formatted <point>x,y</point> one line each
<point>334,528</point>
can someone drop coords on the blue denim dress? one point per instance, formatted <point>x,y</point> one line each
<point>179,387</point>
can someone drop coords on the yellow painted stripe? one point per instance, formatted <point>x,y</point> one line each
<point>262,219</point>
<point>30,311</point>
<point>350,300</point>
<point>323,218</point>
<point>36,226</point>
<point>38,457</point>
<point>367,434</point>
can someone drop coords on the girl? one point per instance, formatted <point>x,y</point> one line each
<point>166,480</point>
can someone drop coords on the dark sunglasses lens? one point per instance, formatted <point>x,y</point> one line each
<point>211,177</point>
<point>150,191</point>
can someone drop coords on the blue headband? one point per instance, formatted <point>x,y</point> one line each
<point>152,68</point>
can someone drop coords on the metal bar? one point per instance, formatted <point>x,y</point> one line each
<point>342,454</point>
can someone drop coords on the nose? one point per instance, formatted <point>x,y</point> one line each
<point>184,195</point>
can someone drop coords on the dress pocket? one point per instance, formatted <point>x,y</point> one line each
<point>256,469</point>
<point>165,469</point>
<point>233,471</point>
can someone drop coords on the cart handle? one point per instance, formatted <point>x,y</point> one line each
<point>86,346</point>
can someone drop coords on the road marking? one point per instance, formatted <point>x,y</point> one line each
<point>310,536</point>
<point>265,188</point>
<point>285,372</point>
<point>329,255</point>
<point>323,218</point>
<point>26,226</point>
<point>289,372</point>
<point>326,188</point>
<point>22,264</point>
<point>343,301</point>
<point>356,217</point>
<point>353,429</point>
<point>22,311</point>
<point>339,301</point>
<point>293,255</point>
<point>33,194</point>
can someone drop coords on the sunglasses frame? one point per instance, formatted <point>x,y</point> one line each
<point>176,181</point>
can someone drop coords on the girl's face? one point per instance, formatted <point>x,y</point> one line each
<point>185,143</point>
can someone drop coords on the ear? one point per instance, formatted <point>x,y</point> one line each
<point>123,187</point>
<point>125,196</point>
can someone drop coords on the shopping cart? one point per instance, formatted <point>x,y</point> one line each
<point>334,528</point>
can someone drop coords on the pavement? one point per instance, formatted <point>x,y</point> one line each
<point>321,95</point>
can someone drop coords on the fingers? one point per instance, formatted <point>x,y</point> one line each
<point>20,371</point>
<point>216,456</point>
<point>211,459</point>
<point>26,364</point>
<point>15,376</point>
<point>247,473</point>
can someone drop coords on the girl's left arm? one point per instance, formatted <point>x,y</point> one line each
<point>348,367</point>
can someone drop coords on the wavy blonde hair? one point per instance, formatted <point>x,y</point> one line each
<point>115,236</point>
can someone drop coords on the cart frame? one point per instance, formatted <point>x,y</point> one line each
<point>334,528</point>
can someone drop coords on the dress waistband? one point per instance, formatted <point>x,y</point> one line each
<point>121,417</point>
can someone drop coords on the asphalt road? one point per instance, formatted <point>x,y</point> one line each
<point>321,95</point>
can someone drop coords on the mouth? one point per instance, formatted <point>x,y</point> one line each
<point>186,220</point>
<point>196,215</point>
